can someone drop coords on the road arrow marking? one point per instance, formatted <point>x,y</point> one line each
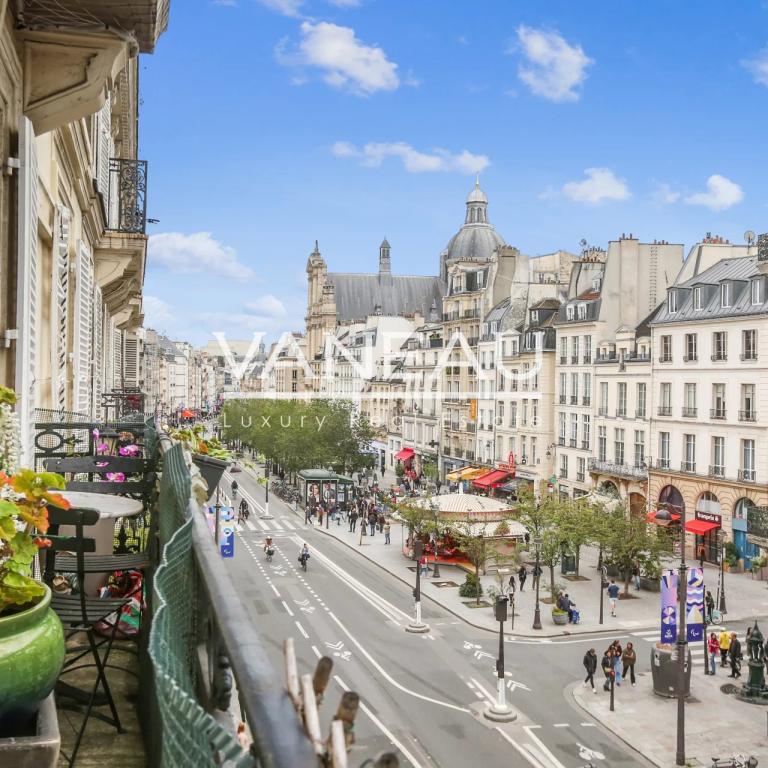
<point>482,654</point>
<point>469,646</point>
<point>346,656</point>
<point>512,684</point>
<point>336,646</point>
<point>589,754</point>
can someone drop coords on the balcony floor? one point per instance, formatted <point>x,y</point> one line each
<point>102,745</point>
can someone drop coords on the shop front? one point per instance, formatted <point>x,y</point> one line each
<point>706,527</point>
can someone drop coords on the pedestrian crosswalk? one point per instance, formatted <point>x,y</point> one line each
<point>696,649</point>
<point>275,525</point>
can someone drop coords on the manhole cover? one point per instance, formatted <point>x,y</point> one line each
<point>730,689</point>
<point>442,584</point>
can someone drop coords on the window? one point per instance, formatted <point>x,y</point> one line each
<point>563,387</point>
<point>294,386</point>
<point>690,347</point>
<point>574,388</point>
<point>587,349</point>
<point>718,401</point>
<point>534,413</point>
<point>581,469</point>
<point>621,399</point>
<point>525,381</point>
<point>717,469</point>
<point>689,400</point>
<point>618,446</point>
<point>747,460</point>
<point>720,345</point>
<point>524,416</point>
<point>664,450</point>
<point>574,429</point>
<point>563,465</point>
<point>582,309</point>
<point>639,448</point>
<point>294,374</point>
<point>533,450</point>
<point>585,431</point>
<point>563,350</point>
<point>574,349</point>
<point>569,312</point>
<point>672,302</point>
<point>725,295</point>
<point>747,412</point>
<point>603,398</point>
<point>665,352</point>
<point>535,317</point>
<point>641,401</point>
<point>511,445</point>
<point>689,452</point>
<point>665,399</point>
<point>601,443</point>
<point>697,297</point>
<point>561,428</point>
<point>749,345</point>
<point>586,380</point>
<point>756,291</point>
<point>513,413</point>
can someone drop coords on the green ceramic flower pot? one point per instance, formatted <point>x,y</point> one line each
<point>31,657</point>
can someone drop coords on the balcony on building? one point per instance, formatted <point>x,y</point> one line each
<point>561,441</point>
<point>662,463</point>
<point>717,413</point>
<point>572,442</point>
<point>617,469</point>
<point>688,467</point>
<point>562,399</point>
<point>665,410</point>
<point>586,400</point>
<point>574,399</point>
<point>716,471</point>
<point>747,415</point>
<point>747,475</point>
<point>689,413</point>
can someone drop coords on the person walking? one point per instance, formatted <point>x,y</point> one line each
<point>522,574</point>
<point>725,644</point>
<point>513,586</point>
<point>613,596</point>
<point>320,511</point>
<point>386,533</point>
<point>636,575</point>
<point>536,576</point>
<point>423,565</point>
<point>353,520</point>
<point>372,522</point>
<point>617,652</point>
<point>628,659</point>
<point>702,555</point>
<point>713,646</point>
<point>735,653</point>
<point>381,521</point>
<point>590,665</point>
<point>607,666</point>
<point>709,602</point>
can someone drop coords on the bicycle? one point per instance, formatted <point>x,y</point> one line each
<point>737,761</point>
<point>303,560</point>
<point>243,513</point>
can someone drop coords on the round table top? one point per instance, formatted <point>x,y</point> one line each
<point>107,504</point>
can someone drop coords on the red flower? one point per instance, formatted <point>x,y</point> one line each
<point>42,543</point>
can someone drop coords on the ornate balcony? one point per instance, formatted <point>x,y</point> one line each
<point>619,470</point>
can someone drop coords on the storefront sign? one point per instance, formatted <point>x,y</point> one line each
<point>508,465</point>
<point>709,517</point>
<point>669,607</point>
<point>694,605</point>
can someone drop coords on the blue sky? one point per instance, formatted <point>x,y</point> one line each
<point>271,123</point>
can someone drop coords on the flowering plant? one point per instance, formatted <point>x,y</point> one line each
<point>195,441</point>
<point>24,499</point>
<point>9,430</point>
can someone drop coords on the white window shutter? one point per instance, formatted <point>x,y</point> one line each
<point>117,361</point>
<point>130,360</point>
<point>26,292</point>
<point>98,351</point>
<point>60,308</point>
<point>103,141</point>
<point>83,329</point>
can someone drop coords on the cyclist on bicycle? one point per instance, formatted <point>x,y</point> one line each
<point>243,512</point>
<point>304,555</point>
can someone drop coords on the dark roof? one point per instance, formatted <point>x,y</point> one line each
<point>547,304</point>
<point>589,295</point>
<point>358,295</point>
<point>644,326</point>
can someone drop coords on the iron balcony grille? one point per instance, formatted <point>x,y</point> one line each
<point>689,413</point>
<point>688,466</point>
<point>749,355</point>
<point>747,475</point>
<point>717,471</point>
<point>662,463</point>
<point>747,416</point>
<point>586,401</point>
<point>127,204</point>
<point>665,410</point>
<point>717,413</point>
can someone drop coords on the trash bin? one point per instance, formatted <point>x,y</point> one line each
<point>665,673</point>
<point>568,564</point>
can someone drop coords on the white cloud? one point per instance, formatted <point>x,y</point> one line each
<point>198,252</point>
<point>345,3</point>
<point>373,155</point>
<point>721,193</point>
<point>345,61</point>
<point>663,194</point>
<point>600,184</point>
<point>555,69</point>
<point>226,3</point>
<point>758,66</point>
<point>285,7</point>
<point>267,306</point>
<point>156,311</point>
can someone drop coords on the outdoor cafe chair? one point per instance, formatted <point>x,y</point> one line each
<point>80,613</point>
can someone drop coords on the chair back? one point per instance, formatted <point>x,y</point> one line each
<point>97,465</point>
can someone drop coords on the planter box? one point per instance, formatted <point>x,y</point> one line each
<point>650,585</point>
<point>560,618</point>
<point>664,671</point>
<point>211,469</point>
<point>40,749</point>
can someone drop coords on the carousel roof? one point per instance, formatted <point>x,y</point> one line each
<point>465,503</point>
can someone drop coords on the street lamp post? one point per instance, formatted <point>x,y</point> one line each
<point>435,566</point>
<point>721,601</point>
<point>500,711</point>
<point>537,611</point>
<point>417,625</point>
<point>217,510</point>
<point>266,515</point>
<point>603,583</point>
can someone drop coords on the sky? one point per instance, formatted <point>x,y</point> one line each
<point>269,124</point>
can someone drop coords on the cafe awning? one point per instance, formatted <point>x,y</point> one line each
<point>700,527</point>
<point>465,473</point>
<point>404,454</point>
<point>491,479</point>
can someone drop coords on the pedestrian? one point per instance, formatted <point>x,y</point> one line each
<point>423,565</point>
<point>590,665</point>
<point>709,601</point>
<point>628,658</point>
<point>613,595</point>
<point>372,523</point>
<point>617,652</point>
<point>353,520</point>
<point>636,575</point>
<point>386,533</point>
<point>320,511</point>
<point>513,587</point>
<point>725,644</point>
<point>713,646</point>
<point>735,653</point>
<point>381,521</point>
<point>527,538</point>
<point>522,574</point>
<point>242,737</point>
<point>536,576</point>
<point>702,554</point>
<point>569,606</point>
<point>607,666</point>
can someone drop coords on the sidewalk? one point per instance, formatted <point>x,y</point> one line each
<point>716,724</point>
<point>746,598</point>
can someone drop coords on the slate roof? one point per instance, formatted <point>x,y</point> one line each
<point>358,295</point>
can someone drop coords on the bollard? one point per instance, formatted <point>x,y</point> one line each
<point>322,676</point>
<point>347,712</point>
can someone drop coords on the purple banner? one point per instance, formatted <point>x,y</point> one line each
<point>669,580</point>
<point>694,605</point>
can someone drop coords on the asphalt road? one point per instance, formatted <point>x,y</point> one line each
<point>422,695</point>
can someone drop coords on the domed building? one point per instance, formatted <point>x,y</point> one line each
<point>477,239</point>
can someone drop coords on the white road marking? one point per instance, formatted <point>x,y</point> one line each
<point>274,588</point>
<point>287,608</point>
<point>529,729</point>
<point>560,725</point>
<point>512,684</point>
<point>375,720</point>
<point>484,691</point>
<point>250,526</point>
<point>532,760</point>
<point>588,725</point>
<point>383,672</point>
<point>288,524</point>
<point>585,753</point>
<point>302,630</point>
<point>482,654</point>
<point>335,646</point>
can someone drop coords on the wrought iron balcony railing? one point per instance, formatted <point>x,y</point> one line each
<point>617,469</point>
<point>747,416</point>
<point>127,204</point>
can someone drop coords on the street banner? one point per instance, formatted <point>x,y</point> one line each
<point>669,580</point>
<point>694,605</point>
<point>227,539</point>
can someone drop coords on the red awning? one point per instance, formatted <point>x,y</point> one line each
<point>404,454</point>
<point>700,527</point>
<point>491,479</point>
<point>651,518</point>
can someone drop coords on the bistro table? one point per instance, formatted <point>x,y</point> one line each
<point>110,508</point>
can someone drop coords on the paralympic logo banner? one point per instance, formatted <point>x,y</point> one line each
<point>694,605</point>
<point>669,582</point>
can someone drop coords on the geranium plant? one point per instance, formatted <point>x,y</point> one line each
<point>24,499</point>
<point>195,441</point>
<point>9,431</point>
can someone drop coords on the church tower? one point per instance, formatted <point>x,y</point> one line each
<point>385,263</point>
